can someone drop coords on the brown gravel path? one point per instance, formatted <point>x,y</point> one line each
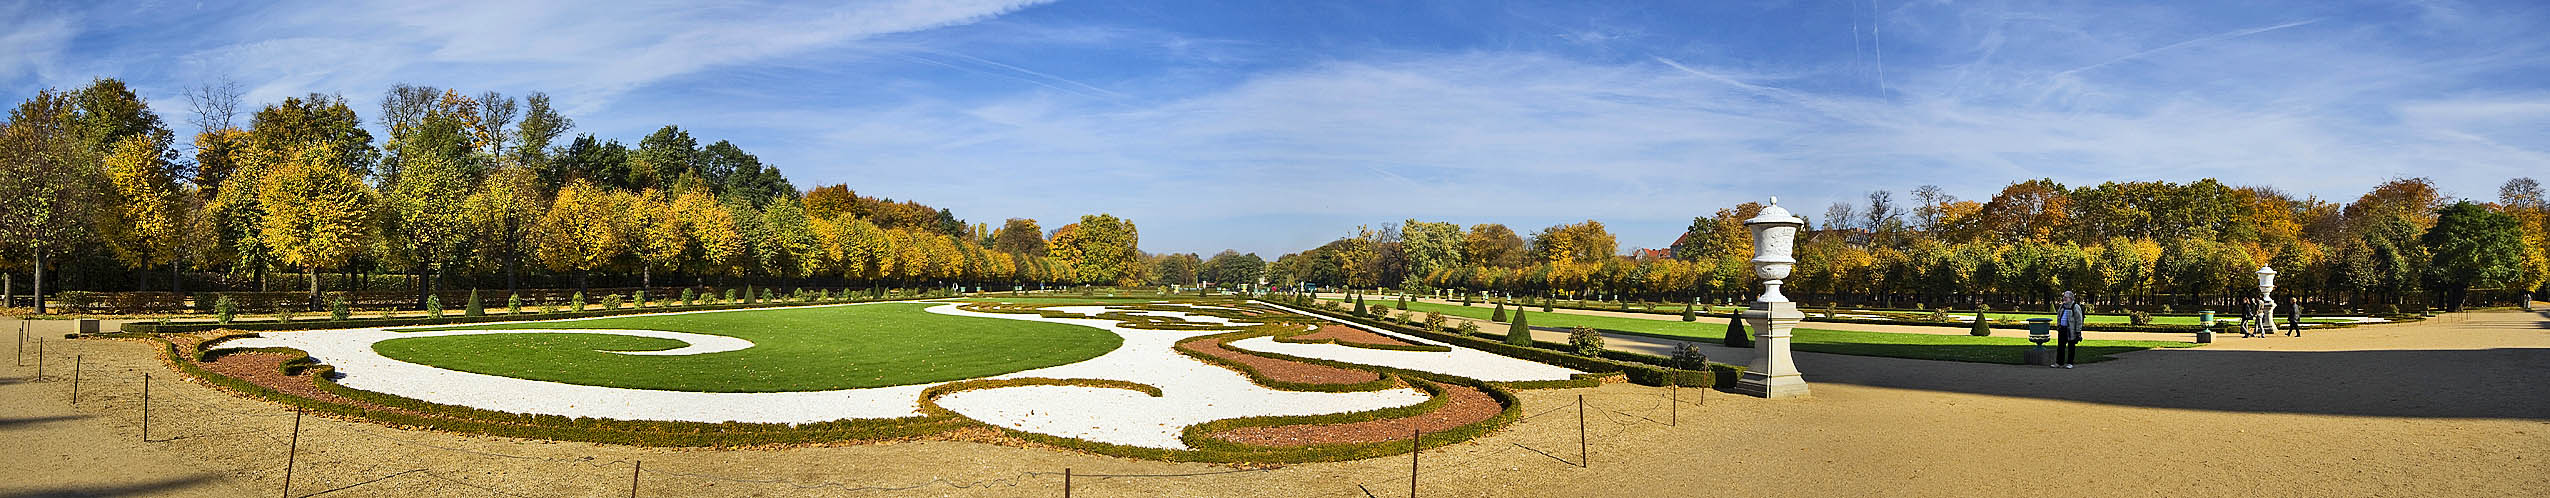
<point>1348,336</point>
<point>1281,370</point>
<point>1462,405</point>
<point>2457,406</point>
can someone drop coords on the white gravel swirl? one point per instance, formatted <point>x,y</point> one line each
<point>1193,392</point>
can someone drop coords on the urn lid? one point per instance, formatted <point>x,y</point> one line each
<point>1775,214</point>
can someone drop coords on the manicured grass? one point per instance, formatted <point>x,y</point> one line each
<point>1059,300</point>
<point>1893,345</point>
<point>794,349</point>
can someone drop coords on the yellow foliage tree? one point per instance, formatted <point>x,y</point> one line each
<point>581,232</point>
<point>317,213</point>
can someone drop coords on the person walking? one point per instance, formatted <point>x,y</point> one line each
<point>2293,318</point>
<point>2068,318</point>
<point>2248,317</point>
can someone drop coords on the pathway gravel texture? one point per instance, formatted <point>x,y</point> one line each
<point>2453,406</point>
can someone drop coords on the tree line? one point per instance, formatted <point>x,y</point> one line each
<point>2141,244</point>
<point>464,189</point>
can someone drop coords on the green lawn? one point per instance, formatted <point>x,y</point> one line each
<point>2156,320</point>
<point>794,349</point>
<point>1893,345</point>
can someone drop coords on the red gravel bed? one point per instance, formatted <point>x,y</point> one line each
<point>1464,405</point>
<point>1348,336</point>
<point>1281,370</point>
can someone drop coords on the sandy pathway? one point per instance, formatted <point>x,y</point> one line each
<point>2456,406</point>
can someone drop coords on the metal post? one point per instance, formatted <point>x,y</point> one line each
<point>633,477</point>
<point>1416,444</point>
<point>1066,482</point>
<point>76,361</point>
<point>1674,416</point>
<point>39,358</point>
<point>291,453</point>
<point>146,408</point>
<point>1583,458</point>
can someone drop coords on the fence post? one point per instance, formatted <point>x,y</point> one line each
<point>291,453</point>
<point>39,358</point>
<point>633,477</point>
<point>76,361</point>
<point>1416,443</point>
<point>1584,459</point>
<point>1066,482</point>
<point>146,408</point>
<point>1673,418</point>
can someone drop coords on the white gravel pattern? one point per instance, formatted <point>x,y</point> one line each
<point>1459,361</point>
<point>1193,392</point>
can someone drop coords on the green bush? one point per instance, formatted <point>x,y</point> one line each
<point>1469,329</point>
<point>336,307</point>
<point>1403,302</point>
<point>2164,309</point>
<point>1499,316</point>
<point>513,303</point>
<point>1434,320</point>
<point>1519,332</point>
<point>284,314</point>
<point>577,302</point>
<point>727,297</point>
<point>1545,302</point>
<point>1465,299</point>
<point>1586,341</point>
<point>433,306</point>
<point>689,296</point>
<point>2139,318</point>
<point>768,294</point>
<point>1687,315</point>
<point>610,302</point>
<point>475,309</point>
<point>1359,306</point>
<point>1831,308</point>
<point>1689,362</point>
<point>1982,323</point>
<point>1939,315</point>
<point>639,298</point>
<point>1736,335</point>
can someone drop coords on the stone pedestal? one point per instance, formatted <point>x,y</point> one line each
<point>2040,356</point>
<point>2205,337</point>
<point>1773,374</point>
<point>88,326</point>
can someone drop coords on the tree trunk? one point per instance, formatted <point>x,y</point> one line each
<point>314,286</point>
<point>513,274</point>
<point>176,281</point>
<point>646,276</point>
<point>39,281</point>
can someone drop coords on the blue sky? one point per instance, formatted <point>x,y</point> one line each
<point>1276,126</point>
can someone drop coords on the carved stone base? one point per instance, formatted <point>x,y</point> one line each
<point>1766,386</point>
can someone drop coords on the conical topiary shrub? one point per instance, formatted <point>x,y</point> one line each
<point>474,308</point>
<point>1359,306</point>
<point>1736,336</point>
<point>1520,332</point>
<point>1982,324</point>
<point>1687,315</point>
<point>1499,316</point>
<point>1545,302</point>
<point>1403,302</point>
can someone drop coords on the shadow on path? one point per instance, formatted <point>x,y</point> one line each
<point>160,486</point>
<point>2484,383</point>
<point>12,423</point>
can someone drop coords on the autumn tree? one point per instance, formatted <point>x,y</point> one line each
<point>579,233</point>
<point>503,214</point>
<point>2473,246</point>
<point>317,212</point>
<point>1101,248</point>
<point>49,188</point>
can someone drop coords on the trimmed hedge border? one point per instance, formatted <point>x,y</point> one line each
<point>934,420</point>
<point>1641,369</point>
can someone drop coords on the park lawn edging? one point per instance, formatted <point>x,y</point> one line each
<point>322,324</point>
<point>1641,369</point>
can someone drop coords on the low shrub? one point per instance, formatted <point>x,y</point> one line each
<point>433,306</point>
<point>474,309</point>
<point>689,296</point>
<point>1519,332</point>
<point>728,297</point>
<point>1586,341</point>
<point>1468,329</point>
<point>1982,323</point>
<point>283,315</point>
<point>513,303</point>
<point>1434,320</point>
<point>1736,336</point>
<point>576,302</point>
<point>2139,318</point>
<point>638,297</point>
<point>336,308</point>
<point>611,302</point>
<point>1939,315</point>
<point>1689,362</point>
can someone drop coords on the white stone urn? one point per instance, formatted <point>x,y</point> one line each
<point>1774,248</point>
